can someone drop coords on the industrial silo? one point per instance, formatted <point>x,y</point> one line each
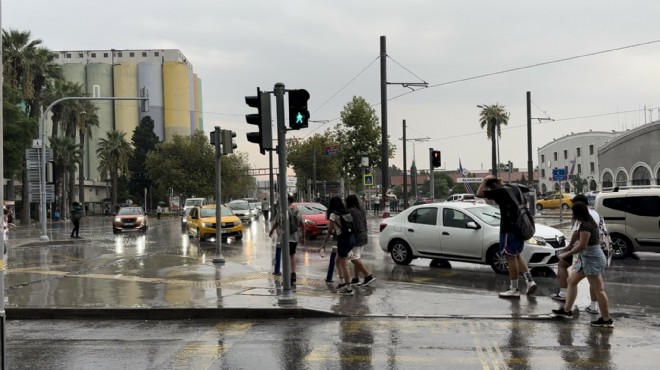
<point>99,84</point>
<point>176,99</point>
<point>125,85</point>
<point>150,75</point>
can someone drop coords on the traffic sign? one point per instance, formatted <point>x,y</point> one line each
<point>558,174</point>
<point>470,179</point>
<point>368,179</point>
<point>330,149</point>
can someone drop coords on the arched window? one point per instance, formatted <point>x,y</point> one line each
<point>556,186</point>
<point>621,179</point>
<point>641,176</point>
<point>544,188</point>
<point>567,187</point>
<point>607,180</point>
<point>657,177</point>
<point>593,186</point>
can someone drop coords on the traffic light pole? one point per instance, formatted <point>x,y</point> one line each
<point>432,183</point>
<point>287,297</point>
<point>219,258</point>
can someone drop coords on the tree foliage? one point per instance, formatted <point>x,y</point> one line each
<point>113,152</point>
<point>300,156</point>
<point>144,140</point>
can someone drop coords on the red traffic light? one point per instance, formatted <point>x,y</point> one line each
<point>435,158</point>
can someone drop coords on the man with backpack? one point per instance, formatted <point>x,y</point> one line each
<point>296,233</point>
<point>511,240</point>
<point>76,215</point>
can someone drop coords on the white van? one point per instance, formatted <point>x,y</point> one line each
<point>462,198</point>
<point>632,218</point>
<point>193,202</point>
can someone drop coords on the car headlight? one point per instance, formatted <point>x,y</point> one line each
<point>536,241</point>
<point>309,222</point>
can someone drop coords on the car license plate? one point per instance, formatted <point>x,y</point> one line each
<point>128,224</point>
<point>225,231</point>
<point>324,232</point>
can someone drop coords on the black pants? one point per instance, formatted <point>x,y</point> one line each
<point>76,227</point>
<point>265,211</point>
<point>158,215</point>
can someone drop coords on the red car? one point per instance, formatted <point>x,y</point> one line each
<point>313,215</point>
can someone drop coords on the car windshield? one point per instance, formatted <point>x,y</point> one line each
<point>130,211</point>
<point>311,208</point>
<point>239,205</point>
<point>210,212</point>
<point>253,206</point>
<point>193,202</point>
<point>487,214</point>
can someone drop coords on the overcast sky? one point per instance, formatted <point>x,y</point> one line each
<point>321,46</point>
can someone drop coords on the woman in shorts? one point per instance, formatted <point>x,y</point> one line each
<point>361,239</point>
<point>337,209</point>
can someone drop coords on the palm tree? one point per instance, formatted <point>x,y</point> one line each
<point>492,117</point>
<point>114,152</point>
<point>28,68</point>
<point>66,154</point>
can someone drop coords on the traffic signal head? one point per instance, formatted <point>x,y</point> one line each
<point>298,113</point>
<point>262,119</point>
<point>435,158</point>
<point>228,144</point>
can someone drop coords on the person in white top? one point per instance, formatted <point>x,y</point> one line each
<point>562,267</point>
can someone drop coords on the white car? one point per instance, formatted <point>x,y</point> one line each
<point>461,231</point>
<point>241,209</point>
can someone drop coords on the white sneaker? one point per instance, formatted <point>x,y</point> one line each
<point>593,311</point>
<point>531,288</point>
<point>511,293</point>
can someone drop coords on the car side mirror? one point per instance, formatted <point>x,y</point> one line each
<point>472,225</point>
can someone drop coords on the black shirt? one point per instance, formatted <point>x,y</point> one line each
<point>508,208</point>
<point>592,228</point>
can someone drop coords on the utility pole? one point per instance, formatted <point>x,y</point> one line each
<point>384,148</point>
<point>432,180</point>
<point>219,258</point>
<point>405,170</point>
<point>530,166</point>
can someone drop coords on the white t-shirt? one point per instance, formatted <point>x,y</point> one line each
<point>335,218</point>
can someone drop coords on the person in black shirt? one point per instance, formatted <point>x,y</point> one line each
<point>510,242</point>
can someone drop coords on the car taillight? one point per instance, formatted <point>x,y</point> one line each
<point>382,226</point>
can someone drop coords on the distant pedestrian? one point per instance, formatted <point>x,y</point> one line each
<point>296,233</point>
<point>590,263</point>
<point>265,208</point>
<point>345,242</point>
<point>159,210</point>
<point>510,242</point>
<point>76,215</point>
<point>377,205</point>
<point>361,239</point>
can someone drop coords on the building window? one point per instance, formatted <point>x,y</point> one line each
<point>566,169</point>
<point>119,54</point>
<point>105,55</point>
<point>555,156</point>
<point>81,55</point>
<point>156,54</point>
<point>131,54</point>
<point>57,56</point>
<point>542,158</point>
<point>93,55</point>
<point>577,151</point>
<point>542,173</point>
<point>607,180</point>
<point>565,154</point>
<point>579,168</point>
<point>621,179</point>
<point>592,167</point>
<point>144,54</point>
<point>68,55</point>
<point>641,176</point>
<point>591,149</point>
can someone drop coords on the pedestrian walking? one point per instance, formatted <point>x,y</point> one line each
<point>159,210</point>
<point>565,263</point>
<point>296,233</point>
<point>341,224</point>
<point>377,205</point>
<point>76,215</point>
<point>510,241</point>
<point>265,208</point>
<point>590,263</point>
<point>361,239</point>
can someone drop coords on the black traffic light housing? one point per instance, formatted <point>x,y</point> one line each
<point>262,119</point>
<point>228,144</point>
<point>298,113</point>
<point>435,159</point>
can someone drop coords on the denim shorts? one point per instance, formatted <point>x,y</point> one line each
<point>592,261</point>
<point>510,244</point>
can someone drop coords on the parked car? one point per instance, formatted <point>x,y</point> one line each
<point>555,201</point>
<point>184,218</point>
<point>632,218</point>
<point>313,215</point>
<point>461,197</point>
<point>254,211</point>
<point>461,231</point>
<point>241,209</point>
<point>193,202</point>
<point>202,223</point>
<point>130,219</point>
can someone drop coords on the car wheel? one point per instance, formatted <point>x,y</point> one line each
<point>400,252</point>
<point>497,260</point>
<point>565,207</point>
<point>621,246</point>
<point>539,207</point>
<point>240,237</point>
<point>115,231</point>
<point>440,263</point>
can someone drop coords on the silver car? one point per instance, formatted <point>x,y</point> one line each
<point>241,209</point>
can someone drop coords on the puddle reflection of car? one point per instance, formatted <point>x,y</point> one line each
<point>313,215</point>
<point>202,223</point>
<point>130,219</point>
<point>461,231</point>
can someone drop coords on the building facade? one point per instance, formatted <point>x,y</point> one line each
<point>175,94</point>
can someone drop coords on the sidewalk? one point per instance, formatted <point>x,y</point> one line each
<point>169,286</point>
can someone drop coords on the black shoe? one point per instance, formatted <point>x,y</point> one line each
<point>340,285</point>
<point>368,280</point>
<point>355,281</point>
<point>603,323</point>
<point>293,278</point>
<point>563,313</point>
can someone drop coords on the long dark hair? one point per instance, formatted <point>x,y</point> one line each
<point>352,201</point>
<point>581,213</point>
<point>336,205</point>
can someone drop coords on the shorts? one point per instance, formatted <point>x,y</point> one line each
<point>593,261</point>
<point>510,244</point>
<point>344,245</point>
<point>292,248</point>
<point>355,253</point>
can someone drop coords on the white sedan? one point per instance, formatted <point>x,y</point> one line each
<point>461,231</point>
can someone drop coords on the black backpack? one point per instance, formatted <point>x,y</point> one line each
<point>524,222</point>
<point>347,226</point>
<point>294,216</point>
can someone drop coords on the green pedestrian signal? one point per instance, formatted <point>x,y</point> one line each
<point>298,113</point>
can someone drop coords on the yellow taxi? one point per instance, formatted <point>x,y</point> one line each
<point>555,201</point>
<point>201,223</point>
